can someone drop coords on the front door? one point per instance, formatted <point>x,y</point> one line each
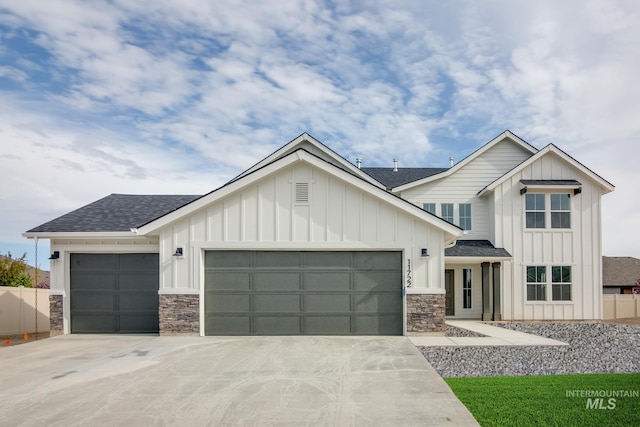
<point>449,296</point>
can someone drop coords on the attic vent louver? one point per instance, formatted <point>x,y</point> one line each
<point>302,192</point>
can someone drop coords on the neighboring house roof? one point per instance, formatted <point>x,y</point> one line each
<point>114,213</point>
<point>606,186</point>
<point>620,271</point>
<point>393,178</point>
<point>504,135</point>
<point>476,248</point>
<point>452,231</point>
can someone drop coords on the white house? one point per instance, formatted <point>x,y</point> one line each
<point>304,242</point>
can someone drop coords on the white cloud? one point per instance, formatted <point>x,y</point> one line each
<point>177,97</point>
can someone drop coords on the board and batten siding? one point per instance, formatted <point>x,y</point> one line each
<point>264,215</point>
<point>464,184</point>
<point>579,247</point>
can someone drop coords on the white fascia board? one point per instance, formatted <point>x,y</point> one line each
<point>79,235</point>
<point>504,135</point>
<point>305,137</point>
<point>606,186</point>
<point>473,259</point>
<point>452,232</point>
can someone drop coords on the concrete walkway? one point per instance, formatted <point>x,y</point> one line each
<point>495,335</point>
<point>115,380</point>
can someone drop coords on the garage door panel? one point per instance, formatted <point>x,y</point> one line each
<point>277,325</point>
<point>138,262</point>
<point>378,325</point>
<point>276,281</point>
<point>93,301</point>
<point>228,281</point>
<point>380,303</point>
<point>377,260</point>
<point>228,303</point>
<point>138,323</point>
<point>327,281</point>
<point>330,325</point>
<point>324,303</point>
<point>92,262</point>
<point>223,325</point>
<point>276,303</point>
<point>325,260</point>
<point>94,323</point>
<point>138,302</point>
<point>234,259</point>
<point>279,259</point>
<point>138,282</point>
<point>86,281</point>
<point>377,281</point>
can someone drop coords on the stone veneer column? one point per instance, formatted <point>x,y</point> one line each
<point>425,313</point>
<point>55,315</point>
<point>179,314</point>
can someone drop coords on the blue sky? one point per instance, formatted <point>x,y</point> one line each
<point>177,97</point>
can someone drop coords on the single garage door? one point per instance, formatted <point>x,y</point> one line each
<point>114,293</point>
<point>291,293</point>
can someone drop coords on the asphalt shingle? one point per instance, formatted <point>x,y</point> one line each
<point>392,179</point>
<point>475,248</point>
<point>116,212</point>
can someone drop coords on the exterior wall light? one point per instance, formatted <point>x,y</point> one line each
<point>178,253</point>
<point>55,255</point>
<point>423,252</point>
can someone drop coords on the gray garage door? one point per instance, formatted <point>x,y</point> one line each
<point>114,293</point>
<point>291,293</point>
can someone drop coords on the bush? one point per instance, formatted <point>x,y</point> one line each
<point>13,271</point>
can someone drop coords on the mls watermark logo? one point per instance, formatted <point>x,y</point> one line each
<point>602,399</point>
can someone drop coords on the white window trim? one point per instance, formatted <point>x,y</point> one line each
<point>547,212</point>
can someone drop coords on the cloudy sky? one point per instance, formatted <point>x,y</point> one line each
<point>177,97</point>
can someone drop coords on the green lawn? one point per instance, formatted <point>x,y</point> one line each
<point>547,400</point>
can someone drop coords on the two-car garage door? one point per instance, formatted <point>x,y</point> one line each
<point>293,293</point>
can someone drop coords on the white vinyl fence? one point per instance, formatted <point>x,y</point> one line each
<point>18,310</point>
<point>618,306</point>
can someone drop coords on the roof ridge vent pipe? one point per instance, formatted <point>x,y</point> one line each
<point>395,165</point>
<point>450,161</point>
<point>358,162</point>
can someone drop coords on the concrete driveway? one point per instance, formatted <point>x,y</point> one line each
<point>115,380</point>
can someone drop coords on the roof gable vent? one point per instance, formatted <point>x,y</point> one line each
<point>302,192</point>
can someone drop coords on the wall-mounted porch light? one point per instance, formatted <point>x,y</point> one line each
<point>55,255</point>
<point>178,253</point>
<point>423,252</point>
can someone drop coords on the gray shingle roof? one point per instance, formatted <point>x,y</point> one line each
<point>116,212</point>
<point>620,271</point>
<point>392,179</point>
<point>476,248</point>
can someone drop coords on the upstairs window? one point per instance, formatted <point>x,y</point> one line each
<point>446,212</point>
<point>465,216</point>
<point>429,207</point>
<point>535,210</point>
<point>560,211</point>
<point>542,209</point>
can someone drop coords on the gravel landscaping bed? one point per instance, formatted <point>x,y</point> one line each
<point>593,348</point>
<point>452,331</point>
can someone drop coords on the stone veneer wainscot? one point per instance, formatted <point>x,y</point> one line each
<point>55,314</point>
<point>179,314</point>
<point>425,313</point>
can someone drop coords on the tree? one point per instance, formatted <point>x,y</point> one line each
<point>13,271</point>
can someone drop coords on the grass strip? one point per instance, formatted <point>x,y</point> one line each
<point>554,400</point>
